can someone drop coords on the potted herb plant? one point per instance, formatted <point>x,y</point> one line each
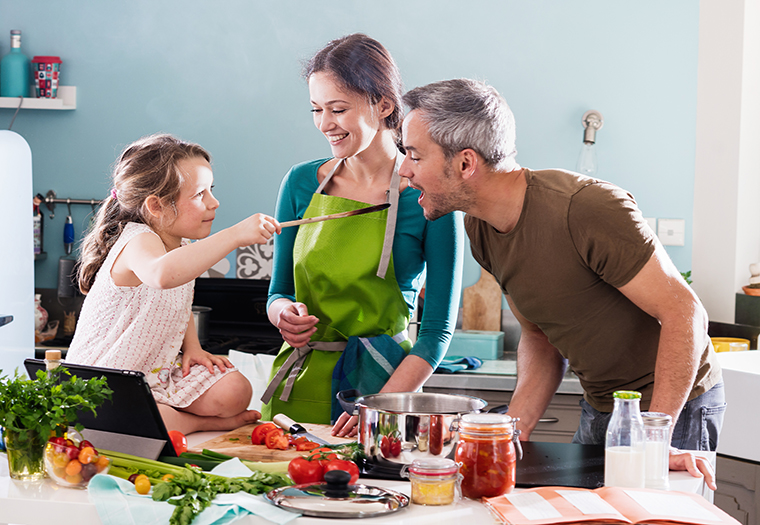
<point>32,410</point>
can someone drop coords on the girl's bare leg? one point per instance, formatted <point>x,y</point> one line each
<point>221,407</point>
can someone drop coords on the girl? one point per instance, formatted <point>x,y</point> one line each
<point>342,291</point>
<point>138,274</point>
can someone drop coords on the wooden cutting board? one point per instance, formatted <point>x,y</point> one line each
<point>481,304</point>
<point>237,443</point>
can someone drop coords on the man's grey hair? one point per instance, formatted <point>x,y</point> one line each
<point>463,113</point>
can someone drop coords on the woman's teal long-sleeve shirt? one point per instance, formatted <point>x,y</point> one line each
<point>425,252</point>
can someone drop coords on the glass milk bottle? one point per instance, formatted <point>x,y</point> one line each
<point>624,460</point>
<point>657,454</point>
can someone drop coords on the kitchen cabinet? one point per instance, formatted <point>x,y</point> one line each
<point>738,491</point>
<point>558,424</point>
<point>66,99</point>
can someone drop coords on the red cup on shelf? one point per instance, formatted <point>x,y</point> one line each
<point>46,70</point>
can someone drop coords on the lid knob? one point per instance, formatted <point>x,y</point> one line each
<point>337,483</point>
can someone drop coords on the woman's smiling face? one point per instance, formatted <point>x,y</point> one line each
<point>347,119</point>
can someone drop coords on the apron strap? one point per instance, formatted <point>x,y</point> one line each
<point>390,223</point>
<point>294,363</point>
<point>296,359</point>
<point>329,175</point>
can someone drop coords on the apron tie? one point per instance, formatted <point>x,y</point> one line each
<point>294,364</point>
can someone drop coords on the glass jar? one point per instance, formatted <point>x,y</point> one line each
<point>434,481</point>
<point>657,450</point>
<point>486,455</point>
<point>624,446</point>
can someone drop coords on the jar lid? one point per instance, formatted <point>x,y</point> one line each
<point>487,423</point>
<point>433,467</point>
<point>656,419</point>
<point>626,394</point>
<point>52,354</point>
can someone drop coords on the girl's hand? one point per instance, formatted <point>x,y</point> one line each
<point>256,229</point>
<point>296,325</point>
<point>198,356</point>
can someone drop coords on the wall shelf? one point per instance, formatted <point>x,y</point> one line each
<point>67,99</point>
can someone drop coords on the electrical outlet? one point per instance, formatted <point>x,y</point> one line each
<point>672,232</point>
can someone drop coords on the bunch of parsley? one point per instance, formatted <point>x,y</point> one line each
<point>191,491</point>
<point>34,409</point>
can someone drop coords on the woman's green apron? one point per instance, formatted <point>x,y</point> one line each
<point>343,271</point>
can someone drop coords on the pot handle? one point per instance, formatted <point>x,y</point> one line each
<point>499,409</point>
<point>348,406</point>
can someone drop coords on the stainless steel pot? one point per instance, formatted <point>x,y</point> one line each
<point>201,315</point>
<point>402,427</point>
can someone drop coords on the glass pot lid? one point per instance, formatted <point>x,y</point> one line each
<point>335,498</point>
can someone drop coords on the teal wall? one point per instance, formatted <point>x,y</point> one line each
<point>225,74</point>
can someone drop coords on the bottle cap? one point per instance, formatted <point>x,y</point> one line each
<point>15,31</point>
<point>52,355</point>
<point>626,394</point>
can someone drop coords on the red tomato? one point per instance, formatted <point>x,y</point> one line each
<point>276,439</point>
<point>259,433</point>
<point>395,447</point>
<point>342,464</point>
<point>306,445</point>
<point>179,441</point>
<point>301,470</point>
<point>385,447</point>
<point>390,446</point>
<point>322,455</point>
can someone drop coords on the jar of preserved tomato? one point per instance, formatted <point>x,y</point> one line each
<point>486,454</point>
<point>434,481</point>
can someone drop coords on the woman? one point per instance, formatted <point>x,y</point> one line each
<point>337,281</point>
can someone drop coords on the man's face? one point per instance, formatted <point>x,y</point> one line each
<point>427,169</point>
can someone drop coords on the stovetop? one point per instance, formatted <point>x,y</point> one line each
<point>238,318</point>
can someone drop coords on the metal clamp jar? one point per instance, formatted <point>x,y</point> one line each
<point>486,454</point>
<point>435,481</point>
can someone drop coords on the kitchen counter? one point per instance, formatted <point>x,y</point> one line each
<point>44,503</point>
<point>498,375</point>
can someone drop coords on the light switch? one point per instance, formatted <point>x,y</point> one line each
<point>652,223</point>
<point>672,232</point>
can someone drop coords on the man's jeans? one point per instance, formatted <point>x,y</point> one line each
<point>697,428</point>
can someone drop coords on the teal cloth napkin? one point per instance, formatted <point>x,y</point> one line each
<point>449,366</point>
<point>118,503</point>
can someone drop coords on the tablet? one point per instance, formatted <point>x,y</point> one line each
<point>132,411</point>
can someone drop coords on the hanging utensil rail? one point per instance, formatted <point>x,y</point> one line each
<point>51,199</point>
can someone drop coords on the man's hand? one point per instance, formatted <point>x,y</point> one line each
<point>695,465</point>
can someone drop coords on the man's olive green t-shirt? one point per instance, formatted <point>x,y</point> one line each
<point>576,242</point>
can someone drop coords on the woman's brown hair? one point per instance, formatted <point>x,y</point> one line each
<point>147,167</point>
<point>363,66</point>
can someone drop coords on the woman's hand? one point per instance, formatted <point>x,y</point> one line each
<point>294,322</point>
<point>346,426</point>
<point>697,466</point>
<point>197,356</point>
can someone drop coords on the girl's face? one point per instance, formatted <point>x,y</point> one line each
<point>195,206</point>
<point>348,121</point>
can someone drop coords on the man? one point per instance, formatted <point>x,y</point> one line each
<point>588,280</point>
